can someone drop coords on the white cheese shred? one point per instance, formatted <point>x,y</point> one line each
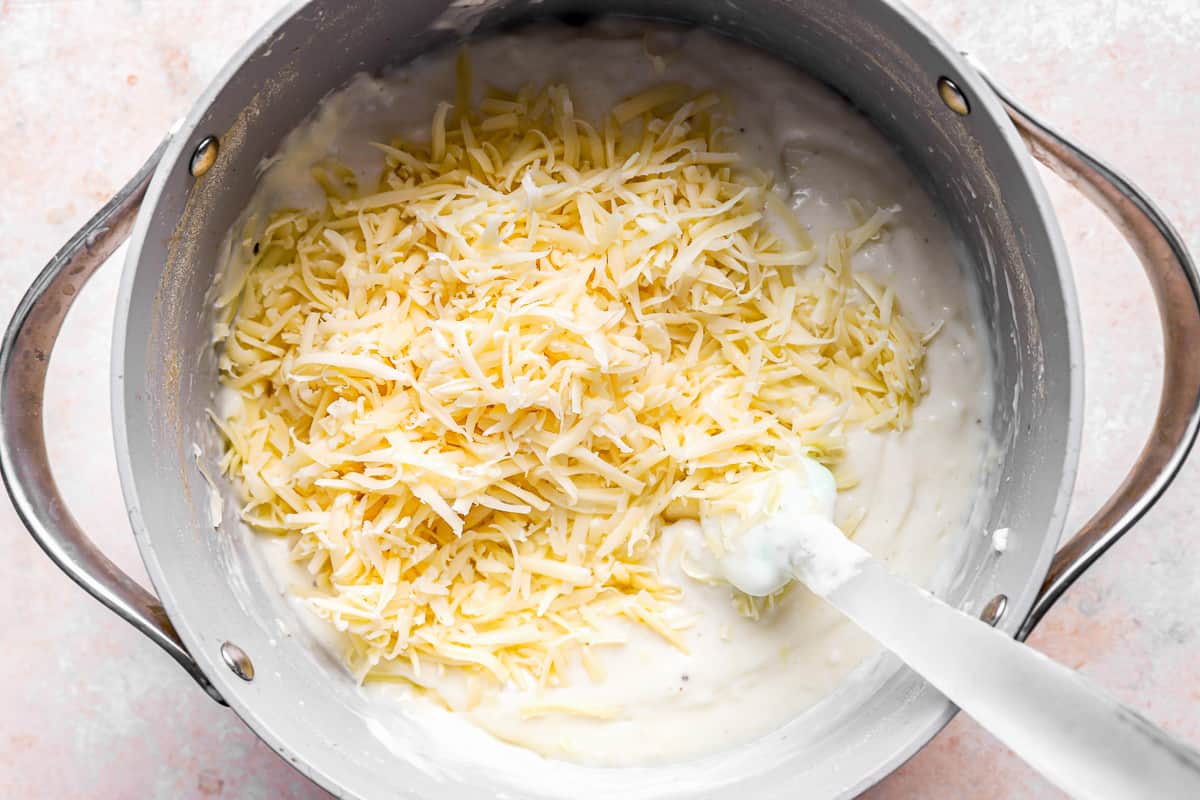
<point>472,395</point>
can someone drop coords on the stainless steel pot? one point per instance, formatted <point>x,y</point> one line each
<point>244,645</point>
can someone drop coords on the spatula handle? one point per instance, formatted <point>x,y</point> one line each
<point>1081,739</point>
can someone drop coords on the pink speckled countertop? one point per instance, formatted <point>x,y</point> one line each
<point>88,708</point>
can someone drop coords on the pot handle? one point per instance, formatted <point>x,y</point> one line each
<point>1176,287</point>
<point>24,462</point>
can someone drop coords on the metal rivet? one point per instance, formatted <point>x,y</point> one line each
<point>238,661</point>
<point>204,156</point>
<point>953,97</point>
<point>994,610</point>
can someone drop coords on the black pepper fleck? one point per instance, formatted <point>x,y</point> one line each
<point>257,247</point>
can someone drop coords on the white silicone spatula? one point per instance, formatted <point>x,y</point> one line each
<point>1081,739</point>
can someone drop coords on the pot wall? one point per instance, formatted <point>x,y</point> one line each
<point>301,703</point>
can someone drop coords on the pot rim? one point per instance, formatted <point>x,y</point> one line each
<point>183,135</point>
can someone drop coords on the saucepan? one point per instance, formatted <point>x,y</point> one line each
<point>243,643</point>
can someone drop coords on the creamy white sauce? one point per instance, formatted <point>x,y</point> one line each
<point>741,677</point>
<point>1000,539</point>
<point>216,503</point>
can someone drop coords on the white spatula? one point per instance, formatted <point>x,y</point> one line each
<point>1081,739</point>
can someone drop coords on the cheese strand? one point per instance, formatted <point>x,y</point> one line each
<point>472,395</point>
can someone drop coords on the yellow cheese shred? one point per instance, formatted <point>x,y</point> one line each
<point>471,396</point>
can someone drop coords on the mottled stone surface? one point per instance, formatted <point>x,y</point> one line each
<point>88,708</point>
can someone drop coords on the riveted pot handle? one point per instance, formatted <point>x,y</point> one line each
<point>24,462</point>
<point>1176,287</point>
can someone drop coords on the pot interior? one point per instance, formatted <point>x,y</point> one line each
<point>302,702</point>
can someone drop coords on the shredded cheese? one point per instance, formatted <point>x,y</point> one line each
<point>471,396</point>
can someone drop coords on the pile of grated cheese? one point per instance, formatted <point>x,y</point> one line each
<point>471,396</point>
